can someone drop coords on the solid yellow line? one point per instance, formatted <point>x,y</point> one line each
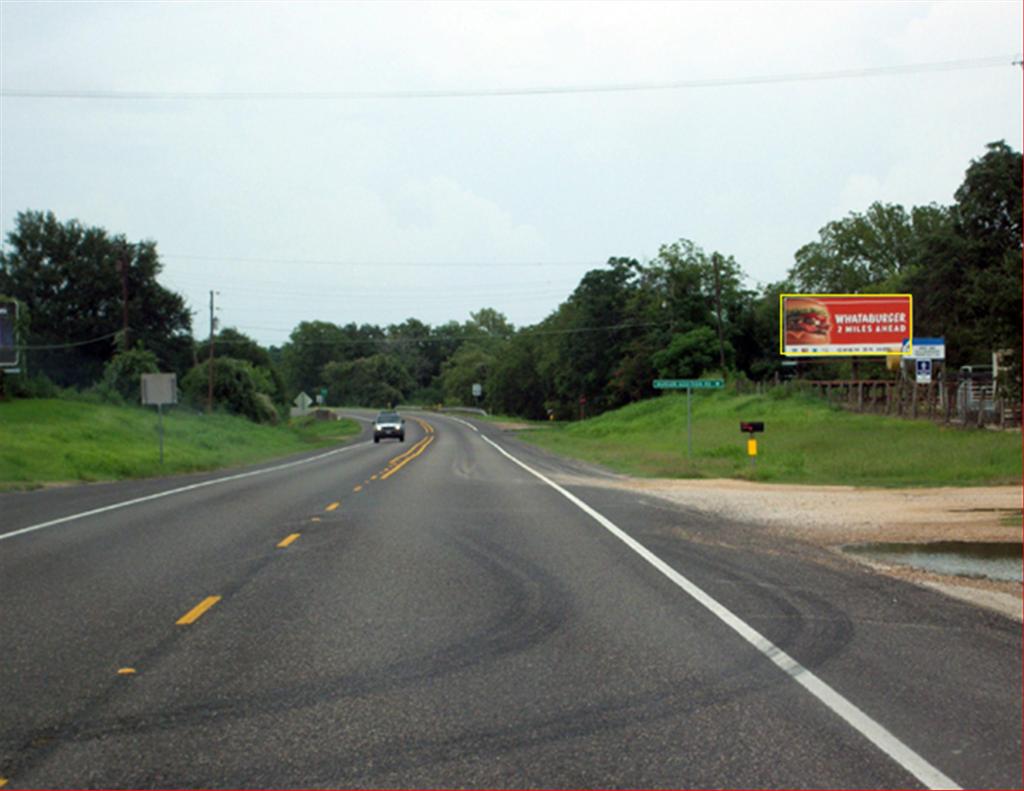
<point>332,507</point>
<point>3,782</point>
<point>397,467</point>
<point>194,614</point>
<point>288,541</point>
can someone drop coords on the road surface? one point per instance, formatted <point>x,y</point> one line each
<point>441,612</point>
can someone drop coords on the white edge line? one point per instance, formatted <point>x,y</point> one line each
<point>465,423</point>
<point>873,731</point>
<point>189,488</point>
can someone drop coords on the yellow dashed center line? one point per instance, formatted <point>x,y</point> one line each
<point>332,507</point>
<point>357,489</point>
<point>288,541</point>
<point>373,477</point>
<point>315,519</point>
<point>126,671</point>
<point>196,612</point>
<point>3,782</point>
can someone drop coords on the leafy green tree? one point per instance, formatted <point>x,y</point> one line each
<point>592,345</point>
<point>236,387</point>
<point>123,374</point>
<point>468,366</point>
<point>377,381</point>
<point>988,219</point>
<point>311,346</point>
<point>856,252</point>
<point>69,276</point>
<point>688,355</point>
<point>229,342</point>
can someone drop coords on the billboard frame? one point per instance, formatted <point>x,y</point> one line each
<point>903,352</point>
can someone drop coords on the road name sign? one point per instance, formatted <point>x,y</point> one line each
<point>696,384</point>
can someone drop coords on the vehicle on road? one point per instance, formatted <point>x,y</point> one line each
<point>389,425</point>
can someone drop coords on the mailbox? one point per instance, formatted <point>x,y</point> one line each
<point>751,427</point>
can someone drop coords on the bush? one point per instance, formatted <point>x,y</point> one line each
<point>24,386</point>
<point>235,388</point>
<point>124,372</point>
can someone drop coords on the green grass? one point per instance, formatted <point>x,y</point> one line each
<point>44,441</point>
<point>805,441</point>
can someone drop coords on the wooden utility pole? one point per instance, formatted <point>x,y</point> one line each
<point>122,268</point>
<point>718,312</point>
<point>209,396</point>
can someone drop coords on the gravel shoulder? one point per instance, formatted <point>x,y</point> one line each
<point>835,516</point>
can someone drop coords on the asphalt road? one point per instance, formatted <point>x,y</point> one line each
<point>435,613</point>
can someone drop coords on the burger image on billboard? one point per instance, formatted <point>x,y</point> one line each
<point>807,322</point>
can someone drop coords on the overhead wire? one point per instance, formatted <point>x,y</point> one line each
<point>475,93</point>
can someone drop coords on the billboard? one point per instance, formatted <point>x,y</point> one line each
<point>850,324</point>
<point>8,346</point>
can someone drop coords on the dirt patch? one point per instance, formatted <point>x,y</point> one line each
<point>834,516</point>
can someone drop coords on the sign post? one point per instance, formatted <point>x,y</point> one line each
<point>157,390</point>
<point>752,427</point>
<point>688,385</point>
<point>923,370</point>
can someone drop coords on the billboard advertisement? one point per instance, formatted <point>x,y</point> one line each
<point>8,347</point>
<point>851,324</point>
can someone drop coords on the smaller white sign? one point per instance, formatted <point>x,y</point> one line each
<point>923,367</point>
<point>478,390</point>
<point>158,389</point>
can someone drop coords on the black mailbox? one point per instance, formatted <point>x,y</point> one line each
<point>751,427</point>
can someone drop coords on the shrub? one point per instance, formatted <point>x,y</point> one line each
<point>235,388</point>
<point>124,372</point>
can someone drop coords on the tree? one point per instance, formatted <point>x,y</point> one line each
<point>238,387</point>
<point>73,279</point>
<point>856,252</point>
<point>377,381</point>
<point>311,346</point>
<point>123,374</point>
<point>229,342</point>
<point>688,355</point>
<point>468,366</point>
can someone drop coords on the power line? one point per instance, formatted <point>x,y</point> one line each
<point>67,345</point>
<point>376,264</point>
<point>675,85</point>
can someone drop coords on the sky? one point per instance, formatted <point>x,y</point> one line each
<point>372,162</point>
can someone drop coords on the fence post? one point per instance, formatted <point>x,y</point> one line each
<point>950,395</point>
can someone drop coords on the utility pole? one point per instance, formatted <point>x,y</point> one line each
<point>209,396</point>
<point>718,312</point>
<point>122,268</point>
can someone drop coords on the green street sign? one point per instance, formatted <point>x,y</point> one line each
<point>696,384</point>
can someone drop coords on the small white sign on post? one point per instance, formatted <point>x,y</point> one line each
<point>923,368</point>
<point>157,390</point>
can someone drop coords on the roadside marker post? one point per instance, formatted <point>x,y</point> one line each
<point>157,390</point>
<point>689,385</point>
<point>751,428</point>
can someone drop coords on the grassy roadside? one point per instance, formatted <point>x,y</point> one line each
<point>44,441</point>
<point>805,441</point>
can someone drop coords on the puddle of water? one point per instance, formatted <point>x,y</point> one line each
<point>997,561</point>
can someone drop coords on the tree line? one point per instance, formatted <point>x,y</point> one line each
<point>683,314</point>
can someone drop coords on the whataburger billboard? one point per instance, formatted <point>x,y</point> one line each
<point>854,324</point>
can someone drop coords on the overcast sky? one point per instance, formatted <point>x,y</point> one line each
<point>376,209</point>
